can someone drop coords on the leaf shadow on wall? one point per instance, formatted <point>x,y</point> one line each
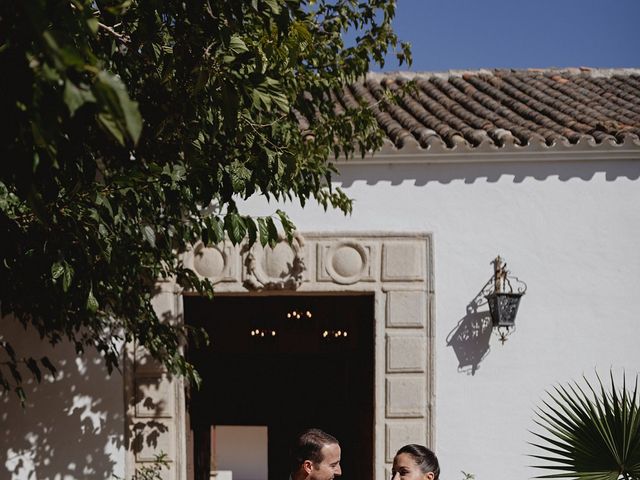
<point>71,427</point>
<point>147,431</point>
<point>470,337</point>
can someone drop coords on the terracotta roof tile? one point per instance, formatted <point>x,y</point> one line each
<point>523,108</point>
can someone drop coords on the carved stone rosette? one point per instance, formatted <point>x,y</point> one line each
<point>278,268</point>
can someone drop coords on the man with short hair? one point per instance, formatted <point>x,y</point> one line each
<point>315,455</point>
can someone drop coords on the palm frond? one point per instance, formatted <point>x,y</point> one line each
<point>590,432</point>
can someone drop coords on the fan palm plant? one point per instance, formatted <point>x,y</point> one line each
<point>590,433</point>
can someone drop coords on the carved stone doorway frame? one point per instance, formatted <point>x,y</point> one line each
<point>397,268</point>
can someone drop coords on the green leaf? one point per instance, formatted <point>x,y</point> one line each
<point>251,230</point>
<point>217,230</point>
<point>109,122</point>
<point>76,97</point>
<point>272,232</point>
<point>240,175</point>
<point>149,235</point>
<point>120,112</point>
<point>235,227</point>
<point>263,231</point>
<point>118,7</point>
<point>93,24</point>
<point>237,45</point>
<point>273,5</point>
<point>92,303</point>
<point>287,224</point>
<point>67,276</point>
<point>57,269</point>
<point>66,56</point>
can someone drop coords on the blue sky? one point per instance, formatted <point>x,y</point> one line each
<point>473,34</point>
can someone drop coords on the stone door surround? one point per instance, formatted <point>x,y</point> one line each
<point>396,268</point>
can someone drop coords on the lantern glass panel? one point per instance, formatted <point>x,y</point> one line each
<point>503,308</point>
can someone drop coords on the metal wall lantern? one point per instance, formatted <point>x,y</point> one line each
<point>503,300</point>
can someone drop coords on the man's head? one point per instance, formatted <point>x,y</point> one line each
<point>315,456</point>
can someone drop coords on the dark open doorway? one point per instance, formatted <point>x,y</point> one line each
<point>285,363</point>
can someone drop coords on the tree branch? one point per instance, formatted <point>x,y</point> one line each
<point>120,36</point>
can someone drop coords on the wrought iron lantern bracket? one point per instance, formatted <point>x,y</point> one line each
<point>503,299</point>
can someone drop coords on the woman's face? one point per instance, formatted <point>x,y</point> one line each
<point>406,468</point>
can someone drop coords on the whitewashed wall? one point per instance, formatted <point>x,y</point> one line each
<point>71,428</point>
<point>571,230</point>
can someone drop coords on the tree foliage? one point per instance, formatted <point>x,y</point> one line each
<point>135,125</point>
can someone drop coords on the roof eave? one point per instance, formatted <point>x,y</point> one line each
<point>413,153</point>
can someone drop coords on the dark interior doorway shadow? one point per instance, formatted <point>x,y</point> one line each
<point>286,363</point>
<point>470,337</point>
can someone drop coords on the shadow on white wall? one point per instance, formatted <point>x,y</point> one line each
<point>469,173</point>
<point>470,337</point>
<point>72,427</point>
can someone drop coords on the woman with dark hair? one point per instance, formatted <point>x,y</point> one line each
<point>415,462</point>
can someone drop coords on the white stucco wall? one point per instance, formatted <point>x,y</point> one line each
<point>71,428</point>
<point>571,230</point>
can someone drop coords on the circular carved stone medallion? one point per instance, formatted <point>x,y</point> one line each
<point>277,268</point>
<point>277,262</point>
<point>346,262</point>
<point>208,261</point>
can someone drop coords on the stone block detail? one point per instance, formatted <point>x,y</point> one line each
<point>169,473</point>
<point>217,263</point>
<point>165,306</point>
<point>154,397</point>
<point>347,262</point>
<point>398,434</point>
<point>404,261</point>
<point>151,437</point>
<point>406,352</point>
<point>406,396</point>
<point>406,309</point>
<point>145,364</point>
